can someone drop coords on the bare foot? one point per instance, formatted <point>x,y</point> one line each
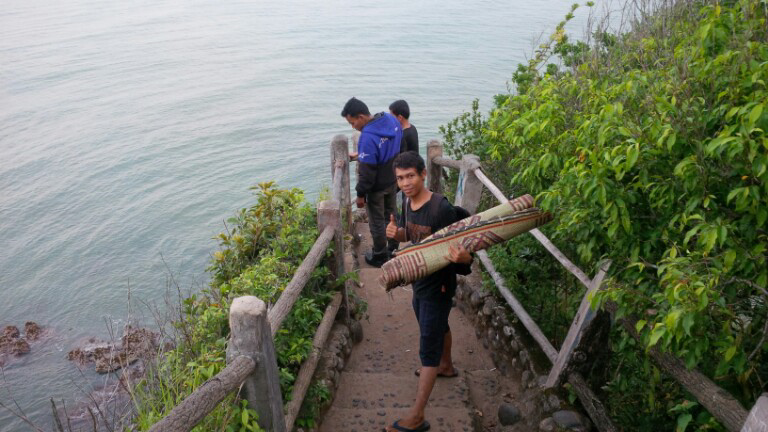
<point>442,372</point>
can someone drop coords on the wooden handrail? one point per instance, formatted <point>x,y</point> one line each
<point>204,399</point>
<point>309,366</point>
<point>520,311</point>
<point>447,162</point>
<point>568,264</point>
<point>285,303</point>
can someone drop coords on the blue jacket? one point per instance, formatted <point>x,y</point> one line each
<point>376,150</point>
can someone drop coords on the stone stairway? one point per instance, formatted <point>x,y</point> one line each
<point>378,383</point>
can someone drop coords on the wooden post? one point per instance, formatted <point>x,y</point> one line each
<point>469,188</point>
<point>251,336</point>
<point>758,417</point>
<point>579,326</point>
<point>340,153</point>
<point>328,214</point>
<point>434,171</point>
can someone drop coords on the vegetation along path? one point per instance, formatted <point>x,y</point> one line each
<point>378,384</point>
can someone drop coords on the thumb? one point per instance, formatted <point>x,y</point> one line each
<point>392,218</point>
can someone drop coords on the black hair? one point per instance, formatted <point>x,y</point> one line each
<point>410,159</point>
<point>400,107</point>
<point>354,107</point>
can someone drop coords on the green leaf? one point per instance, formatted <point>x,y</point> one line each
<point>639,325</point>
<point>682,422</point>
<point>658,331</point>
<point>688,323</point>
<point>730,352</point>
<point>624,131</point>
<point>691,233</point>
<point>742,190</point>
<point>715,145</point>
<point>755,114</point>
<point>633,152</point>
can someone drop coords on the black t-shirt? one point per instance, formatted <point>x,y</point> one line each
<point>420,224</point>
<point>410,141</point>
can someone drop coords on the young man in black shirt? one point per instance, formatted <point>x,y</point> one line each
<point>402,113</point>
<point>432,295</point>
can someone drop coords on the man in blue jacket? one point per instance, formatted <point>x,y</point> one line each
<point>377,147</point>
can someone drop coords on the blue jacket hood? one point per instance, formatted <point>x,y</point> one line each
<point>384,125</point>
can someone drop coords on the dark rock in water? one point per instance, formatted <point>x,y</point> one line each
<point>571,421</point>
<point>12,344</point>
<point>32,331</point>
<point>19,347</point>
<point>508,414</point>
<point>10,332</point>
<point>136,343</point>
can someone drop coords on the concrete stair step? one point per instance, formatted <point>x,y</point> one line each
<point>384,391</point>
<point>375,420</point>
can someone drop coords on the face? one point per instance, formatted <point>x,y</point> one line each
<point>410,181</point>
<point>399,118</point>
<point>357,122</point>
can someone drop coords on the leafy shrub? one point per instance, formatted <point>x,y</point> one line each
<point>262,248</point>
<point>650,149</point>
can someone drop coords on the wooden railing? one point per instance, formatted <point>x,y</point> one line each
<point>716,400</point>
<point>251,360</point>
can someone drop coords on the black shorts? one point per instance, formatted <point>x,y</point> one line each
<point>432,316</point>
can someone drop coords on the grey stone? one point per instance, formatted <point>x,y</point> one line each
<point>508,414</point>
<point>356,331</point>
<point>507,330</point>
<point>553,403</point>
<point>571,421</point>
<point>524,357</point>
<point>525,378</point>
<point>476,299</point>
<point>489,306</point>
<point>547,425</point>
<point>514,348</point>
<point>541,380</point>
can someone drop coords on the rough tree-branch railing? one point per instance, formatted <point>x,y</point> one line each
<point>251,360</point>
<point>716,400</point>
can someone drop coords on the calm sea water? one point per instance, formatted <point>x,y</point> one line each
<point>129,130</point>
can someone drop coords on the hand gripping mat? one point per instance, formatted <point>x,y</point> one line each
<point>475,233</point>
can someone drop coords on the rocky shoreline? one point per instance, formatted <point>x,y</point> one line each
<point>14,345</point>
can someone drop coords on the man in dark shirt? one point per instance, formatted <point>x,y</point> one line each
<point>432,295</point>
<point>402,113</point>
<point>378,145</point>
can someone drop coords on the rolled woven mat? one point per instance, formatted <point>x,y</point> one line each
<point>428,256</point>
<point>520,203</point>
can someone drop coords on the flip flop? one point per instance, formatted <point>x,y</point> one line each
<point>422,428</point>
<point>417,372</point>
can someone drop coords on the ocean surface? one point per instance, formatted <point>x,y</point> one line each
<point>129,130</point>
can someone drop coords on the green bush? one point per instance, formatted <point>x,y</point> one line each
<point>650,149</point>
<point>260,252</point>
